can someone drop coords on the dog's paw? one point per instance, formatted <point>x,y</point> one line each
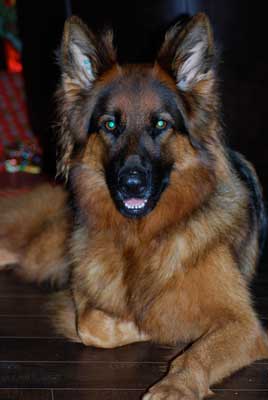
<point>166,391</point>
<point>177,386</point>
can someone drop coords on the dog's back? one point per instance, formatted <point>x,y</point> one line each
<point>247,174</point>
<point>33,233</point>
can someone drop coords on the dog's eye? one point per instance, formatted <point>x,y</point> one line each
<point>161,124</point>
<point>110,125</point>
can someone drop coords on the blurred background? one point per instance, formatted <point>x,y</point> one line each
<point>35,363</point>
<point>30,32</point>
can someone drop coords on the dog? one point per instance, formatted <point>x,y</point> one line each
<point>157,233</point>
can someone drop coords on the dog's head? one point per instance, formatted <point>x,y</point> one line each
<point>137,126</point>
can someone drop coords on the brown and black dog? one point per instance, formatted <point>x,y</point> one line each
<point>159,231</point>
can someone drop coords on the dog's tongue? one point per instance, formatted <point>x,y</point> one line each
<point>134,202</point>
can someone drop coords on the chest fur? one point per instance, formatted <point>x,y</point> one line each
<point>144,283</point>
<point>115,276</point>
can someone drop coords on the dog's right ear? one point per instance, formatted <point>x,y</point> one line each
<point>83,56</point>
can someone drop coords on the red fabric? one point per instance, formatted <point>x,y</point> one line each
<point>14,125</point>
<point>13,58</point>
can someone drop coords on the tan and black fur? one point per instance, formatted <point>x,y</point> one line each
<point>176,269</point>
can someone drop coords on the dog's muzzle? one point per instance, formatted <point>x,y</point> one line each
<point>133,186</point>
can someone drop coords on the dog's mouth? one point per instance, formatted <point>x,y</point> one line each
<point>135,204</point>
<point>134,207</point>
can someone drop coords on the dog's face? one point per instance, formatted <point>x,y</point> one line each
<point>135,117</point>
<point>140,115</point>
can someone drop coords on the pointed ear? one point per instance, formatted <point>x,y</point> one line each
<point>83,56</point>
<point>188,51</point>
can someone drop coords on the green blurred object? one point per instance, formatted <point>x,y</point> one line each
<point>8,24</point>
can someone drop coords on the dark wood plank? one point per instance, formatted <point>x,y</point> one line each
<point>23,306</point>
<point>30,327</point>
<point>11,286</point>
<point>240,395</point>
<point>97,394</point>
<point>60,350</point>
<point>112,376</point>
<point>253,377</point>
<point>136,395</point>
<point>12,394</point>
<point>80,376</point>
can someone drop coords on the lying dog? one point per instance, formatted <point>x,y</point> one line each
<point>159,231</point>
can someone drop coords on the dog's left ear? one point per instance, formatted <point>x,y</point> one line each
<point>188,51</point>
<point>83,55</point>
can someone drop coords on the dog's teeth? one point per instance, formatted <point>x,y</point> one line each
<point>137,206</point>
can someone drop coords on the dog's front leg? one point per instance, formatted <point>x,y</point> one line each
<point>229,335</point>
<point>98,329</point>
<point>78,321</point>
<point>230,345</point>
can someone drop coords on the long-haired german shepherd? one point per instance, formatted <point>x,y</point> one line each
<point>161,229</point>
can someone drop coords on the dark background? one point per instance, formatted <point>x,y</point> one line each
<point>241,35</point>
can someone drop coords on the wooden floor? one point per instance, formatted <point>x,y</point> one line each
<point>37,365</point>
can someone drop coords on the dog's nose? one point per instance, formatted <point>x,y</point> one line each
<point>133,182</point>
